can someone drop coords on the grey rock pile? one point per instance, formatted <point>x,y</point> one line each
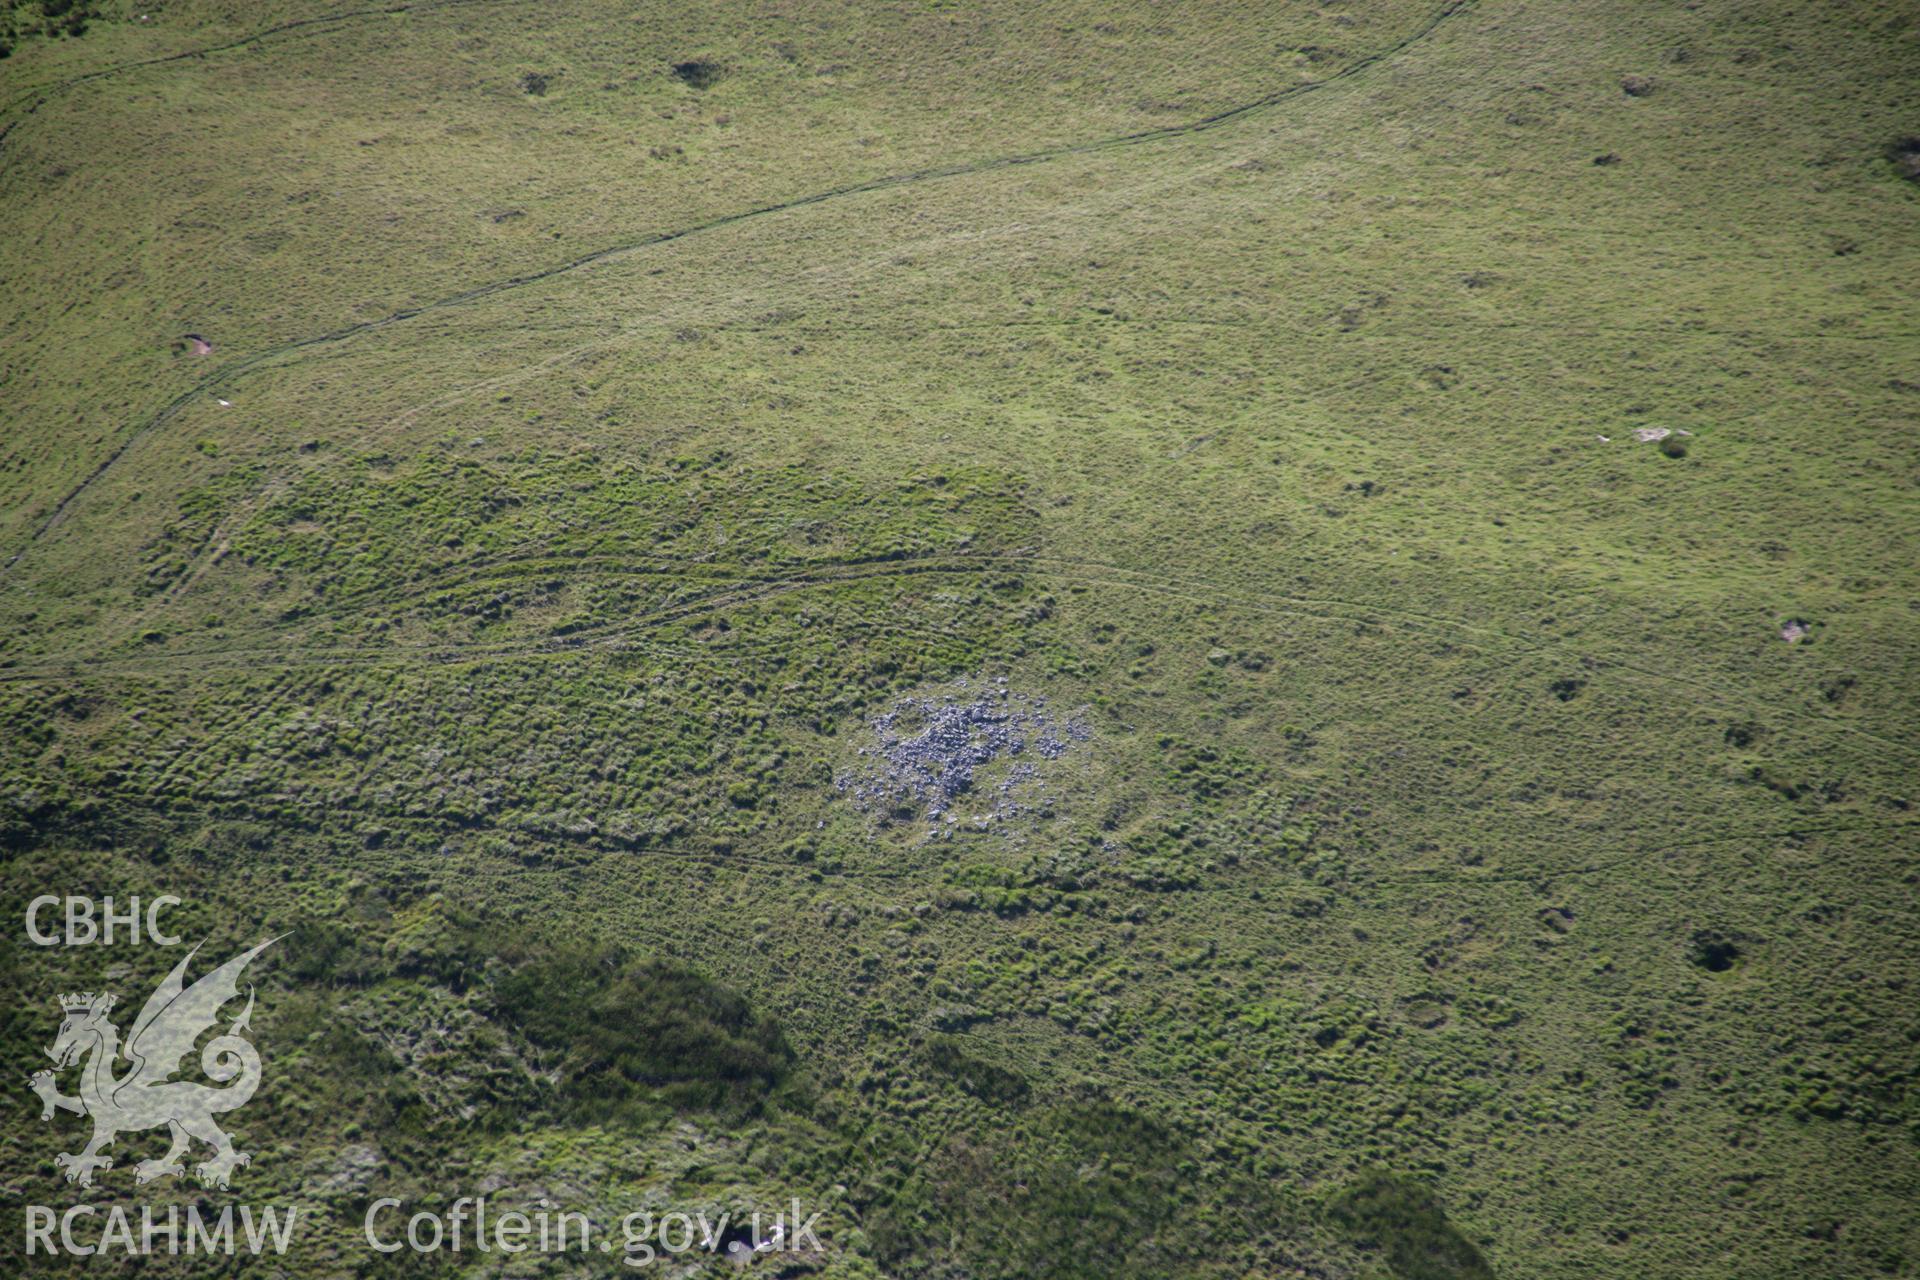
<point>928,752</point>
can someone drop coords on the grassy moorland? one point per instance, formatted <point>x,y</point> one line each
<point>606,413</point>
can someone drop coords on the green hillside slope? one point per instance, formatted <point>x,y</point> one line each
<point>1410,506</point>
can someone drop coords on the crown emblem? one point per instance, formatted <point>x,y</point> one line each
<point>87,1000</point>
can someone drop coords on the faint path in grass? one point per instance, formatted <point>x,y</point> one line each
<point>735,588</point>
<point>1356,888</point>
<point>226,374</point>
<point>38,96</point>
<point>1418,879</point>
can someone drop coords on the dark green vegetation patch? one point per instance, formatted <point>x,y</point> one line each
<point>1404,1221</point>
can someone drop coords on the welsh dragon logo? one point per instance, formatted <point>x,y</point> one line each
<point>146,1096</point>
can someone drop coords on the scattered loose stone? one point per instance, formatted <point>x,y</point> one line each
<point>928,752</point>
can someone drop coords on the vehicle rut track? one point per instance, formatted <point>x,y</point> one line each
<point>225,376</point>
<point>1355,887</point>
<point>1418,879</point>
<point>628,632</point>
